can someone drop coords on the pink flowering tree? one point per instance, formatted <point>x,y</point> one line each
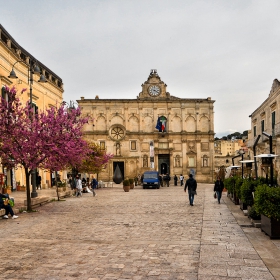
<point>51,139</point>
<point>96,160</point>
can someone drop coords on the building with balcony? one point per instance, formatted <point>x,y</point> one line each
<point>44,95</point>
<point>155,131</point>
<point>266,118</point>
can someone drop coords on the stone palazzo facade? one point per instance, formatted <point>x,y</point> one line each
<point>266,118</point>
<point>155,131</point>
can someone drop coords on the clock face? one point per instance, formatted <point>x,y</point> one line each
<point>154,90</point>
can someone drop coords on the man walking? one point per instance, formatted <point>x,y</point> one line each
<point>182,179</point>
<point>94,184</point>
<point>191,184</point>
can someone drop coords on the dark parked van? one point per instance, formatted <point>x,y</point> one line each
<point>151,179</point>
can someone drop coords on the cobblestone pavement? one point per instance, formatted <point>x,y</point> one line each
<point>142,234</point>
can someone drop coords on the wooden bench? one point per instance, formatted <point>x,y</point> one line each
<point>35,201</point>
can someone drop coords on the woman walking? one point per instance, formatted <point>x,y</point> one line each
<point>218,188</point>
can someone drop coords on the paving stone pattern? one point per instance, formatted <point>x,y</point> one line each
<point>142,234</point>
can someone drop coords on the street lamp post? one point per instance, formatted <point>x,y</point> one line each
<point>32,69</point>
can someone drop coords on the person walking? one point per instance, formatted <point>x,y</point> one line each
<point>182,179</point>
<point>191,185</point>
<point>38,181</point>
<point>166,179</point>
<point>218,188</point>
<point>94,184</point>
<point>79,186</point>
<point>175,180</point>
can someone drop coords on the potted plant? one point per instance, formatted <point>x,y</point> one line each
<point>5,189</point>
<point>61,186</point>
<point>131,182</point>
<point>246,194</point>
<point>267,201</point>
<point>23,188</point>
<point>126,185</point>
<point>237,186</point>
<point>18,186</point>
<point>228,183</point>
<point>253,214</point>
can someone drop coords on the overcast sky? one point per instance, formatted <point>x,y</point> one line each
<point>228,50</point>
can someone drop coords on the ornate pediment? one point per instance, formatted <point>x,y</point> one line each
<point>154,87</point>
<point>275,86</point>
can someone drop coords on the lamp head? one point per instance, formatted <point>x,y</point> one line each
<point>36,69</point>
<point>13,75</point>
<point>42,79</point>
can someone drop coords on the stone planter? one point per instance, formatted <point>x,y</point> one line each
<point>131,186</point>
<point>23,188</point>
<point>126,188</point>
<point>270,226</point>
<point>243,206</point>
<point>18,187</point>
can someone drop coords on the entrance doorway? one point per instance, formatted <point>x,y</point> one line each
<point>121,166</point>
<point>163,164</point>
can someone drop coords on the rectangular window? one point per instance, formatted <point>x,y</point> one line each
<point>262,125</point>
<point>273,120</point>
<point>163,145</point>
<point>133,145</point>
<point>102,145</point>
<point>255,131</point>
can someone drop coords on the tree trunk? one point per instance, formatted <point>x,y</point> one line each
<point>28,198</point>
<point>55,178</point>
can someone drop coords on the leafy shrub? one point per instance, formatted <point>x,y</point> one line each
<point>131,181</point>
<point>237,186</point>
<point>246,192</point>
<point>267,201</point>
<point>229,184</point>
<point>253,214</point>
<point>126,182</point>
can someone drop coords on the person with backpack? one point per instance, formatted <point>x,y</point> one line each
<point>191,185</point>
<point>94,184</point>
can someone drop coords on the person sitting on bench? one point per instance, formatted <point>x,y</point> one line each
<point>4,203</point>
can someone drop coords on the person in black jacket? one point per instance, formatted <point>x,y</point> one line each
<point>166,179</point>
<point>191,184</point>
<point>4,203</point>
<point>218,188</point>
<point>175,180</point>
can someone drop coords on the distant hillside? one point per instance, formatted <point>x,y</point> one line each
<point>235,135</point>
